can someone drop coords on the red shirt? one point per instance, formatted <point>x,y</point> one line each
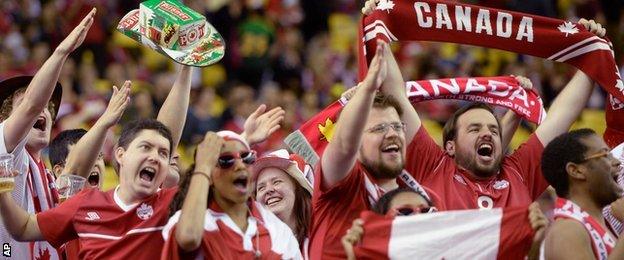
<point>266,235</point>
<point>106,227</point>
<point>518,183</point>
<point>333,212</point>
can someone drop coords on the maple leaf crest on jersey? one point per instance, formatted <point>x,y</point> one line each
<point>145,211</point>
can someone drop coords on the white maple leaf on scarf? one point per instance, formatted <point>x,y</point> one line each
<point>385,5</point>
<point>568,28</point>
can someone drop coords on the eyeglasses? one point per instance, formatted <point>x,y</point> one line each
<point>408,211</point>
<point>383,128</point>
<point>226,160</point>
<point>597,155</point>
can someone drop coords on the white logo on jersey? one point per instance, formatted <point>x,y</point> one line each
<point>92,215</point>
<point>485,202</point>
<point>502,184</point>
<point>145,211</point>
<point>459,179</point>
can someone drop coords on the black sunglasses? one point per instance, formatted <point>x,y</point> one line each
<point>408,211</point>
<point>226,160</point>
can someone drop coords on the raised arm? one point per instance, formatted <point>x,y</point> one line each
<point>340,154</point>
<point>189,230</point>
<point>21,225</point>
<point>568,105</point>
<point>173,111</point>
<point>395,85</point>
<point>510,121</point>
<point>82,157</point>
<point>40,89</point>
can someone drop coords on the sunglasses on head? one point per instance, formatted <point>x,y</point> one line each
<point>227,160</point>
<point>408,211</point>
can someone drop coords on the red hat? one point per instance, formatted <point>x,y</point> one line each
<point>292,164</point>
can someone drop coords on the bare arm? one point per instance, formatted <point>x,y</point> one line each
<point>510,121</point>
<point>82,157</point>
<point>40,89</point>
<point>566,107</point>
<point>509,124</point>
<point>340,154</point>
<point>395,85</point>
<point>173,111</point>
<point>21,225</point>
<point>571,101</point>
<point>189,230</point>
<point>567,239</point>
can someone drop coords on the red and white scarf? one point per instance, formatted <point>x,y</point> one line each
<point>602,241</point>
<point>445,21</point>
<point>311,138</point>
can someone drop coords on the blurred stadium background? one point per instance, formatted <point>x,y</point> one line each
<point>298,54</point>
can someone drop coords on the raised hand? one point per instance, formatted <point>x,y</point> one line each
<point>525,82</point>
<point>207,154</point>
<point>378,69</point>
<point>538,221</point>
<point>77,35</point>
<point>369,6</point>
<point>353,235</point>
<point>593,27</point>
<point>260,124</point>
<point>117,105</point>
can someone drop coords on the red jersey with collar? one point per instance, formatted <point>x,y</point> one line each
<point>266,237</point>
<point>106,227</point>
<point>518,183</point>
<point>335,208</point>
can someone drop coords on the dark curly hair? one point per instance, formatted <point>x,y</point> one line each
<point>558,153</point>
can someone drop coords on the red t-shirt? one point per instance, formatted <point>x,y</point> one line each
<point>106,227</point>
<point>518,183</point>
<point>333,212</point>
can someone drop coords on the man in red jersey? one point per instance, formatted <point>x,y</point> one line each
<point>582,170</point>
<point>471,170</point>
<point>116,224</point>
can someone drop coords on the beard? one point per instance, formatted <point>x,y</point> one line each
<point>380,170</point>
<point>483,171</point>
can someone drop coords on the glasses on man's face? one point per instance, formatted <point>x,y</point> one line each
<point>227,160</point>
<point>383,128</point>
<point>408,211</point>
<point>597,155</point>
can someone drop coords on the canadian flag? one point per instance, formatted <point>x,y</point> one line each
<point>501,233</point>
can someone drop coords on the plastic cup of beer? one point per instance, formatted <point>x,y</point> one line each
<point>69,185</point>
<point>7,181</point>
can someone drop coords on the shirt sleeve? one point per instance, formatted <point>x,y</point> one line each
<point>57,224</point>
<point>20,164</point>
<point>422,155</point>
<point>348,185</point>
<point>527,161</point>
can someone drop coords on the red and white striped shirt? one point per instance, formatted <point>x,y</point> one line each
<point>34,192</point>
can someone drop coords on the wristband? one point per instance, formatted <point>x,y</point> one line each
<point>203,174</point>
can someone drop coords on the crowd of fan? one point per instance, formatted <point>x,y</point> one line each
<point>285,61</point>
